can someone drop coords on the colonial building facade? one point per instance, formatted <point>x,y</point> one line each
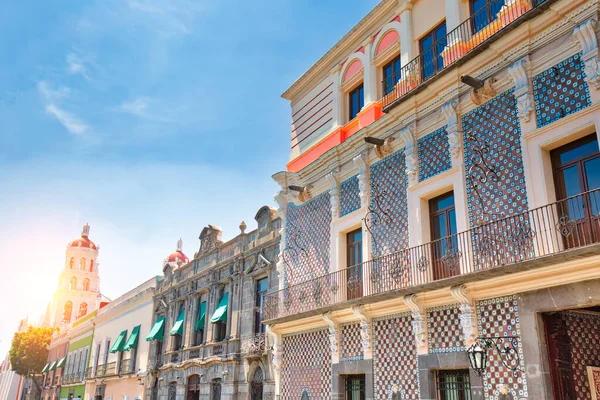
<point>208,341</point>
<point>453,207</point>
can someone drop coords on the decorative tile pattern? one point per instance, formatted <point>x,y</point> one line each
<point>350,345</point>
<point>307,232</point>
<point>349,196</point>
<point>434,154</point>
<point>395,358</point>
<point>390,182</point>
<point>495,125</point>
<point>584,332</point>
<point>500,317</point>
<point>306,364</point>
<point>444,330</point>
<point>560,91</point>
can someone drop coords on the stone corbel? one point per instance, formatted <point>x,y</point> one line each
<point>467,316</point>
<point>334,337</point>
<point>410,152</point>
<point>585,34</point>
<point>361,162</point>
<point>419,323</point>
<point>484,93</point>
<point>334,193</point>
<point>365,331</point>
<point>523,93</point>
<point>276,354</point>
<point>452,128</point>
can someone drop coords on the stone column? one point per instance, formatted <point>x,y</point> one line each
<point>453,128</point>
<point>210,309</point>
<point>276,356</point>
<point>366,337</point>
<point>419,323</point>
<point>455,13</point>
<point>334,337</point>
<point>406,34</point>
<point>370,74</point>
<point>467,316</point>
<point>411,156</point>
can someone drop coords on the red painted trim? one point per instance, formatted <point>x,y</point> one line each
<point>365,118</point>
<point>308,102</point>
<point>312,115</point>
<point>316,129</point>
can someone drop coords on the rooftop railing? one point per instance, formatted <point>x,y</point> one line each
<point>541,232</point>
<point>466,40</point>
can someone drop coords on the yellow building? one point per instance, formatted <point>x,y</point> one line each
<point>442,202</point>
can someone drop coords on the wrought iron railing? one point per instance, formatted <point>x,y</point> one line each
<point>126,366</point>
<point>75,377</point>
<point>219,349</point>
<point>253,344</point>
<point>551,229</point>
<point>466,39</point>
<point>194,353</point>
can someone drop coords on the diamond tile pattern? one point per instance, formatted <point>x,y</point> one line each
<point>350,345</point>
<point>495,124</point>
<point>434,154</point>
<point>307,232</point>
<point>584,332</point>
<point>500,317</point>
<point>389,180</point>
<point>349,196</point>
<point>395,357</point>
<point>306,365</point>
<point>560,91</point>
<point>444,330</point>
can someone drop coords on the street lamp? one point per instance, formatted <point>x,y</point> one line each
<point>507,348</point>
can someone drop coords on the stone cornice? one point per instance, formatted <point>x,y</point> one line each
<point>345,46</point>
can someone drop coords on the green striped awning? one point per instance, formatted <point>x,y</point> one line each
<point>220,314</point>
<point>201,317</point>
<point>133,339</point>
<point>52,366</point>
<point>177,328</point>
<point>61,362</point>
<point>119,343</point>
<point>46,368</point>
<point>158,331</point>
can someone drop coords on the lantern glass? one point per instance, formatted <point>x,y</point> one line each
<point>477,358</point>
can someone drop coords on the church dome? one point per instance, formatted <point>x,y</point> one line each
<point>84,240</point>
<point>177,257</point>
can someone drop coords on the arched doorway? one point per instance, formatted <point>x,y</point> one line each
<point>172,393</point>
<point>216,389</point>
<point>256,386</point>
<point>193,387</point>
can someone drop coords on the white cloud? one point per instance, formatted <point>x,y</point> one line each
<point>136,107</point>
<point>169,18</point>
<point>52,98</point>
<point>76,65</point>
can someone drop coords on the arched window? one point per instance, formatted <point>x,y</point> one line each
<point>82,264</point>
<point>86,284</point>
<point>73,283</point>
<point>67,310</point>
<point>71,262</point>
<point>91,265</point>
<point>305,395</point>
<point>193,387</point>
<point>82,310</point>
<point>256,386</point>
<point>216,389</point>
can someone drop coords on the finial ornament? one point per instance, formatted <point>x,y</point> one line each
<point>180,245</point>
<point>86,230</point>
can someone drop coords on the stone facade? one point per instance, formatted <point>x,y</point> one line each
<point>233,358</point>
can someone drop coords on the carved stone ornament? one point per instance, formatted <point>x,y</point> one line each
<point>274,349</point>
<point>452,128</point>
<point>410,150</point>
<point>585,34</point>
<point>363,179</point>
<point>523,94</point>
<point>449,112</point>
<point>334,335</point>
<point>334,193</point>
<point>483,94</point>
<point>419,322</point>
<point>384,150</point>
<point>468,320</point>
<point>365,328</point>
<point>210,238</point>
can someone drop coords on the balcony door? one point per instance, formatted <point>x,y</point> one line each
<point>432,45</point>
<point>483,12</point>
<point>576,172</point>
<point>354,259</point>
<point>444,246</point>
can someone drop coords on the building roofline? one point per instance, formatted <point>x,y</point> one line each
<point>360,29</point>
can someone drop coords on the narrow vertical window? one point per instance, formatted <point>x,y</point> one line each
<point>357,101</point>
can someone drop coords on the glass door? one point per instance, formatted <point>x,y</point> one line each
<point>355,387</point>
<point>354,264</point>
<point>444,246</point>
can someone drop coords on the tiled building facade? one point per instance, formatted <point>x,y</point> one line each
<point>207,339</point>
<point>446,212</point>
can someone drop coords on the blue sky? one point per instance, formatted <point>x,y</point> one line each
<point>146,118</point>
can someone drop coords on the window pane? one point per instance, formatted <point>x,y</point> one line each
<point>439,227</point>
<point>585,149</point>
<point>442,202</point>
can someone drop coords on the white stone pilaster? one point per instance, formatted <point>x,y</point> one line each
<point>338,97</point>
<point>585,34</point>
<point>406,34</point>
<point>276,355</point>
<point>370,74</point>
<point>365,331</point>
<point>467,316</point>
<point>361,162</point>
<point>419,323</point>
<point>453,128</point>
<point>410,153</point>
<point>334,337</point>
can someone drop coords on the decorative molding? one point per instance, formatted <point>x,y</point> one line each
<point>365,330</point>
<point>361,162</point>
<point>523,94</point>
<point>467,317</point>
<point>585,34</point>
<point>452,127</point>
<point>275,350</point>
<point>334,337</point>
<point>334,193</point>
<point>282,200</point>
<point>419,322</point>
<point>449,112</point>
<point>410,152</point>
<point>483,94</point>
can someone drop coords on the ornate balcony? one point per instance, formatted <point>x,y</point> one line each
<point>459,45</point>
<point>538,234</point>
<point>254,345</point>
